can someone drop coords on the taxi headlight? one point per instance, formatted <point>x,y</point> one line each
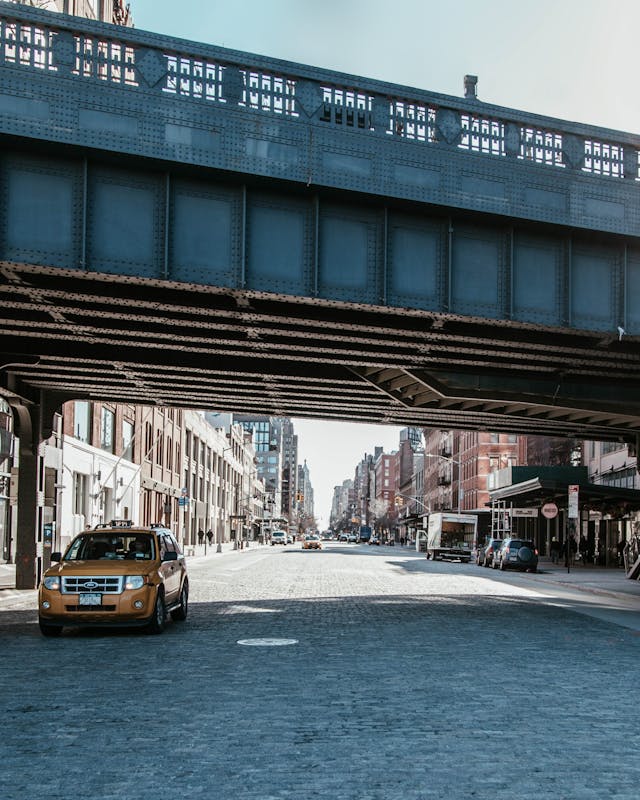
<point>134,582</point>
<point>52,583</point>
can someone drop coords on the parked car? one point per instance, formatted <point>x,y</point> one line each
<point>374,540</point>
<point>352,537</point>
<point>117,575</point>
<point>516,554</point>
<point>312,542</point>
<point>484,556</point>
<point>278,537</point>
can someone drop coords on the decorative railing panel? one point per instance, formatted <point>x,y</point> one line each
<point>385,117</point>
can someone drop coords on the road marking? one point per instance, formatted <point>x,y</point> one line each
<point>267,642</point>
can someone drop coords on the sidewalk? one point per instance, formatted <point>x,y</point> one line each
<point>597,580</point>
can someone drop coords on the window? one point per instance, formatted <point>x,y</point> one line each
<point>127,440</point>
<point>107,430</point>
<point>148,440</point>
<point>260,434</point>
<point>79,492</point>
<point>610,447</point>
<point>82,420</point>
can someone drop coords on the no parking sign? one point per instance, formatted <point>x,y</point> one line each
<point>573,501</point>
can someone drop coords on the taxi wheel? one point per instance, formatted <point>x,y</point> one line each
<point>180,613</point>
<point>46,629</point>
<point>159,617</point>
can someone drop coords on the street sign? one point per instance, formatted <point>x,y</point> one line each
<point>183,501</point>
<point>550,510</point>
<point>573,502</point>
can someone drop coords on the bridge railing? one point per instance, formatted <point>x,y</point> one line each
<point>137,61</point>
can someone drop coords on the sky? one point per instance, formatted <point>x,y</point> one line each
<point>571,59</point>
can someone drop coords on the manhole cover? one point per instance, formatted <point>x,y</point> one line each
<point>267,642</point>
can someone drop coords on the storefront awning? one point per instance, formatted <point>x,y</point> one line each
<point>596,496</point>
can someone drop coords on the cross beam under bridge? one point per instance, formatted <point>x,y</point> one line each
<point>66,334</point>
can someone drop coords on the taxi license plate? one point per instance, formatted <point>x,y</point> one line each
<point>90,599</point>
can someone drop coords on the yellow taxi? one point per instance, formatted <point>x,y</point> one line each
<point>311,542</point>
<point>116,574</point>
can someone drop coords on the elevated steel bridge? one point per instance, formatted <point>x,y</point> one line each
<point>197,227</point>
<point>193,226</point>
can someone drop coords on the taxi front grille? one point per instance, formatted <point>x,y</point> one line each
<point>101,584</point>
<point>90,609</point>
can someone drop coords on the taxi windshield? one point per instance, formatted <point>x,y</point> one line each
<point>101,546</point>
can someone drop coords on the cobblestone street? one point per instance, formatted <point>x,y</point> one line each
<point>408,679</point>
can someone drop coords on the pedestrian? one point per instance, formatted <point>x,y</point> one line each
<point>620,547</point>
<point>210,537</point>
<point>200,536</point>
<point>555,550</point>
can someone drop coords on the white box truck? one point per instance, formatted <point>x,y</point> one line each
<point>451,535</point>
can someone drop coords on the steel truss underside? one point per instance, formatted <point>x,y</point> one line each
<point>81,335</point>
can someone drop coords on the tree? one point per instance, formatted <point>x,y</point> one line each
<point>378,511</point>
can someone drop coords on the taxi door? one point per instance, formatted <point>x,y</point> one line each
<point>171,570</point>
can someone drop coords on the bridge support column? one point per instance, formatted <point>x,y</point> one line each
<point>29,510</point>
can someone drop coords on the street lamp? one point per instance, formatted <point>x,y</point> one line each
<point>426,508</point>
<point>452,461</point>
<point>218,540</point>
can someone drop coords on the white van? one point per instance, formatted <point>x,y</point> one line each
<point>278,537</point>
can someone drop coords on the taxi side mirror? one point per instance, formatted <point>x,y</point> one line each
<point>56,556</point>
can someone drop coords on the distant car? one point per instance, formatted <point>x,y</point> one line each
<point>516,554</point>
<point>352,537</point>
<point>374,540</point>
<point>278,537</point>
<point>312,542</point>
<point>484,556</point>
<point>344,537</point>
<point>290,539</point>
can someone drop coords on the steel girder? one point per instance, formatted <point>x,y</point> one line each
<point>82,335</point>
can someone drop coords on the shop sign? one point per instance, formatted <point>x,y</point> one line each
<point>524,512</point>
